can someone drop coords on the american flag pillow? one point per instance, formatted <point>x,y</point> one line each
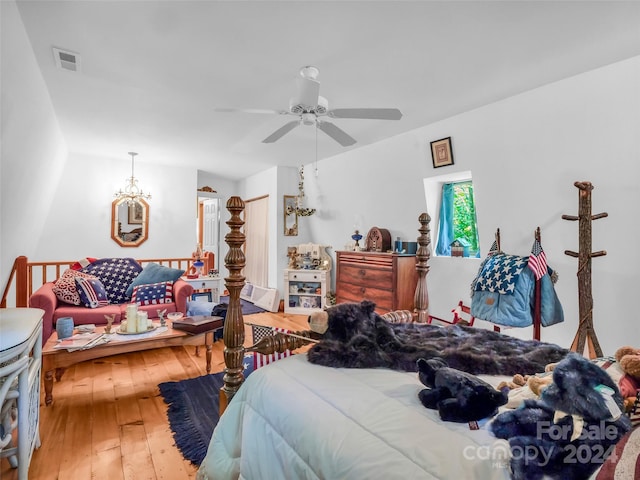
<point>92,292</point>
<point>259,359</point>
<point>153,293</point>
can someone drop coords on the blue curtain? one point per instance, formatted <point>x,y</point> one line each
<point>445,229</point>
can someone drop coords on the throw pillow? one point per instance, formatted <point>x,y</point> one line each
<point>80,264</point>
<point>154,273</point>
<point>92,292</point>
<point>116,274</point>
<point>153,293</point>
<point>65,287</point>
<point>195,307</point>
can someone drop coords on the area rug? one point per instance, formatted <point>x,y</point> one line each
<point>193,410</point>
<point>193,413</point>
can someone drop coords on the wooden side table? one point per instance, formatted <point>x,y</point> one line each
<point>212,284</point>
<point>22,338</point>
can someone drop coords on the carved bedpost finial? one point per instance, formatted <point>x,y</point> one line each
<point>233,333</point>
<point>421,299</point>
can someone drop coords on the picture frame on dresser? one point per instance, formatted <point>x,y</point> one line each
<point>441,152</point>
<point>202,296</point>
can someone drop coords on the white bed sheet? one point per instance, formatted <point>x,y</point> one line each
<point>296,420</point>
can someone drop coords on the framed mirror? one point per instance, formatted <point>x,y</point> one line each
<point>129,223</point>
<point>290,216</point>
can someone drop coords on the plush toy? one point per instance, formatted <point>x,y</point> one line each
<point>570,430</point>
<point>355,336</point>
<point>458,396</point>
<point>629,360</point>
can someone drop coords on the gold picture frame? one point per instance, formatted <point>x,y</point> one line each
<point>441,152</point>
<point>290,216</point>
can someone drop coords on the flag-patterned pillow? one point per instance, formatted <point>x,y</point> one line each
<point>65,287</point>
<point>153,293</point>
<point>116,274</point>
<point>92,293</point>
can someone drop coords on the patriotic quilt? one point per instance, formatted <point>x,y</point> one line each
<point>504,291</point>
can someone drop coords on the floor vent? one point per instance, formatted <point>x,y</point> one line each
<point>67,60</point>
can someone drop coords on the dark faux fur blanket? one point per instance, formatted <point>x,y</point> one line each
<point>399,346</point>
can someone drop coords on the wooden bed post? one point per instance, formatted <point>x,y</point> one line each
<point>421,299</point>
<point>233,332</point>
<point>586,331</point>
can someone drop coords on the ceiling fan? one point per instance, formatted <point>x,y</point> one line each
<point>309,106</point>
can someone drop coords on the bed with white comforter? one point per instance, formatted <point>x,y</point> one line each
<point>296,420</point>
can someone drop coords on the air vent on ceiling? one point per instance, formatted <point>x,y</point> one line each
<point>67,60</point>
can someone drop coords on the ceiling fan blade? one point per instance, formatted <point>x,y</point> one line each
<point>282,131</point>
<point>308,91</point>
<point>251,110</point>
<point>336,133</point>
<point>370,113</point>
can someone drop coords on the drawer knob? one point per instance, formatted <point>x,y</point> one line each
<point>362,272</point>
<point>362,290</point>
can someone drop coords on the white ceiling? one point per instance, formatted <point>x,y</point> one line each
<point>153,72</point>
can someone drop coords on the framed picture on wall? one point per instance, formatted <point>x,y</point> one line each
<point>441,152</point>
<point>135,213</point>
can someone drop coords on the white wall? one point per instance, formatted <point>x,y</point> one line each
<point>524,153</point>
<point>33,151</point>
<point>56,205</point>
<point>80,222</point>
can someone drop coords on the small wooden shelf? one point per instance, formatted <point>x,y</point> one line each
<point>305,291</point>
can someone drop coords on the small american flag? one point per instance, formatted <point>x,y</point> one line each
<point>538,260</point>
<point>259,359</point>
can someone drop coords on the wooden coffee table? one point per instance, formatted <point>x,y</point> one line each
<point>58,360</point>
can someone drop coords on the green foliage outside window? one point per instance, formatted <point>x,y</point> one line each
<point>464,215</point>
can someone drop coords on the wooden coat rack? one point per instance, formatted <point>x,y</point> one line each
<point>586,333</point>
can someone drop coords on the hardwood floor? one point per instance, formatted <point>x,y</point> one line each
<point>108,420</point>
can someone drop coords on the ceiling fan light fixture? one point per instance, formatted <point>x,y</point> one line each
<point>309,71</point>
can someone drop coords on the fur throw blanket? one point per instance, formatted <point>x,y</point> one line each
<point>356,337</point>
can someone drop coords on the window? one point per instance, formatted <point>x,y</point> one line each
<point>457,220</point>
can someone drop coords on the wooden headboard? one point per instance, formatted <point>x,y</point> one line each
<point>233,332</point>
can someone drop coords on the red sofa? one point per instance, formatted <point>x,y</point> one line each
<point>45,299</point>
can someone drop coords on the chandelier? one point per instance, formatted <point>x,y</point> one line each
<point>132,193</point>
<point>300,209</point>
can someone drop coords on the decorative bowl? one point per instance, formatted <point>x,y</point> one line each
<point>173,316</point>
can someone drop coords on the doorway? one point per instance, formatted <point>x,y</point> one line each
<point>256,247</point>
<point>208,225</point>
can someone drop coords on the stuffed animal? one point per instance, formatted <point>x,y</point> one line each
<point>458,396</point>
<point>570,430</point>
<point>629,360</point>
<point>524,387</point>
<point>355,336</point>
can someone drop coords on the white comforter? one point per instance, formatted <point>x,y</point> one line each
<point>296,420</point>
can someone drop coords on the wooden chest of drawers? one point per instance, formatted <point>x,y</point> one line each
<point>387,279</point>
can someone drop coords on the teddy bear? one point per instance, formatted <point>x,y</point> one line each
<point>523,387</point>
<point>355,336</point>
<point>629,360</point>
<point>458,396</point>
<point>570,430</point>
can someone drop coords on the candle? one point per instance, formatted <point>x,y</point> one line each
<point>132,318</point>
<point>142,321</point>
